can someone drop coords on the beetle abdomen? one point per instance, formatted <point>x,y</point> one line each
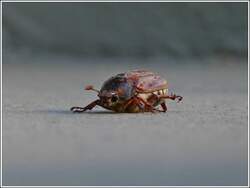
<point>152,98</point>
<point>161,92</point>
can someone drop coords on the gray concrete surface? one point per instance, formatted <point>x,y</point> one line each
<point>202,141</point>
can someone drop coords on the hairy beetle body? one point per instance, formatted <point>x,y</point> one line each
<point>132,92</point>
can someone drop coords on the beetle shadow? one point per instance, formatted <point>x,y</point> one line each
<point>68,112</point>
<point>95,112</point>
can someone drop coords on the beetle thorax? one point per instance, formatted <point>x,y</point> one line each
<point>115,92</point>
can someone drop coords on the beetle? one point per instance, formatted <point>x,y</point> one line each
<point>132,92</point>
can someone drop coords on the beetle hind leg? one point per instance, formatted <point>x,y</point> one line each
<point>172,97</point>
<point>164,107</point>
<point>77,109</point>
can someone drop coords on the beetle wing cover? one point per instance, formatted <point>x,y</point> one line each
<point>146,81</point>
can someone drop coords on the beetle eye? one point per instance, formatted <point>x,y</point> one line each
<point>114,98</point>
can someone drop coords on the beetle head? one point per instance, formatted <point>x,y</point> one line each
<point>109,99</point>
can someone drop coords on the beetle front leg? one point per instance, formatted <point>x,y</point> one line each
<point>83,109</point>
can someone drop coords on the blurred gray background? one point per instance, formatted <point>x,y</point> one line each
<point>127,29</point>
<point>52,50</point>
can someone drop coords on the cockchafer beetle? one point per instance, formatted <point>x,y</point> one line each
<point>132,92</point>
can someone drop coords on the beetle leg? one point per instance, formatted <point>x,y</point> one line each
<point>164,107</point>
<point>132,102</point>
<point>155,97</point>
<point>129,102</point>
<point>172,97</point>
<point>88,107</point>
<point>148,107</point>
<point>135,101</point>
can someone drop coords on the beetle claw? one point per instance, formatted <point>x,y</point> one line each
<point>174,96</point>
<point>77,109</point>
<point>179,98</point>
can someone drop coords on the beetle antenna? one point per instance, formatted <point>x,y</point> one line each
<point>90,87</point>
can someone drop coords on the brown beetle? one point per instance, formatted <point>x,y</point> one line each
<point>134,91</point>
